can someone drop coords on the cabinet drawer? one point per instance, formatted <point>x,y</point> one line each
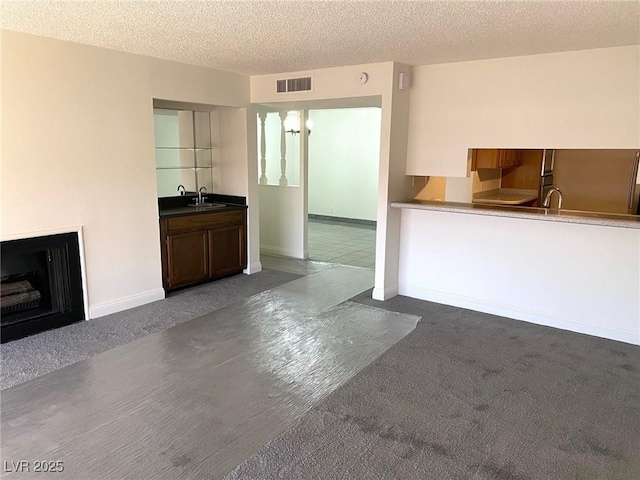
<point>203,220</point>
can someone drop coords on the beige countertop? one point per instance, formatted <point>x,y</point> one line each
<point>532,213</point>
<point>506,196</point>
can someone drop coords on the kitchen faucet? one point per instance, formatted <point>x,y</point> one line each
<point>183,191</point>
<point>200,195</point>
<point>547,199</point>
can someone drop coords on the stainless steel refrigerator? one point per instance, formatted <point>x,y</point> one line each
<point>604,180</point>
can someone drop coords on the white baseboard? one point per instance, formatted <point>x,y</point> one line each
<point>518,313</point>
<point>384,294</point>
<point>280,252</point>
<point>125,303</point>
<point>253,268</point>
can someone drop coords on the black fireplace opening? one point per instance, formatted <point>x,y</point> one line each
<point>40,285</point>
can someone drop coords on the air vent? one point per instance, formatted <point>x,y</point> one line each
<point>294,85</point>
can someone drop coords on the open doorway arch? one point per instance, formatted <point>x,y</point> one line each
<point>284,207</point>
<point>343,166</point>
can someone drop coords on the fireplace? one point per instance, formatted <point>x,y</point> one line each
<point>40,285</point>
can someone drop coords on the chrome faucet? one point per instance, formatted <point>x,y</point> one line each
<point>200,195</point>
<point>183,191</point>
<point>547,199</point>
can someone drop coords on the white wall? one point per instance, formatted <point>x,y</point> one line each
<point>582,278</point>
<point>192,84</point>
<point>231,175</point>
<point>327,83</point>
<point>282,221</point>
<point>341,83</point>
<point>581,99</point>
<point>393,184</point>
<point>564,275</point>
<point>253,195</point>
<point>78,149</point>
<point>344,151</point>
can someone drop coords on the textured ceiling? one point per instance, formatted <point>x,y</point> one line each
<point>268,37</point>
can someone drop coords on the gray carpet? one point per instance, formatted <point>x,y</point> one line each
<point>195,400</point>
<point>471,395</point>
<point>45,352</point>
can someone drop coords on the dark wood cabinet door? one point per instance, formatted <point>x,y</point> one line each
<point>187,258</point>
<point>226,250</point>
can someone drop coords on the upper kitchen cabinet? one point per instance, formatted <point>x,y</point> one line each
<point>495,158</point>
<point>183,151</point>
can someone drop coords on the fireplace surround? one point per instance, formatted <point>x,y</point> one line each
<point>41,284</point>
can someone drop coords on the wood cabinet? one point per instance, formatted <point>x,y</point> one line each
<point>187,257</point>
<point>201,247</point>
<point>495,158</point>
<point>227,243</point>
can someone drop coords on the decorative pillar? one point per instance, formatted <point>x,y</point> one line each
<point>263,149</point>
<point>283,151</point>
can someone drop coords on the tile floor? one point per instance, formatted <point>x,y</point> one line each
<point>343,243</point>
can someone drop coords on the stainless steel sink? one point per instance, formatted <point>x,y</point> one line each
<point>207,206</point>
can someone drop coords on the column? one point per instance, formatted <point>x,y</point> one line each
<point>263,149</point>
<point>283,151</point>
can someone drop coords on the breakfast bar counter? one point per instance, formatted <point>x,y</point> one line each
<point>531,213</point>
<point>571,270</point>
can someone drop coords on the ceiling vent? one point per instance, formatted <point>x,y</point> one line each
<point>302,84</point>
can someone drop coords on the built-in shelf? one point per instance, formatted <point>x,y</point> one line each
<point>184,151</point>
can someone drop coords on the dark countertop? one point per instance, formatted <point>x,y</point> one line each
<point>183,211</point>
<point>531,213</point>
<point>177,206</point>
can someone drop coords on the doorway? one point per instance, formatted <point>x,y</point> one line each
<point>343,160</point>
